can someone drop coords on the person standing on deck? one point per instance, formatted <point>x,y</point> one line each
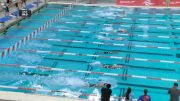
<point>174,93</point>
<point>145,97</point>
<point>23,2</point>
<point>129,95</point>
<point>16,4</point>
<point>6,9</point>
<point>106,93</point>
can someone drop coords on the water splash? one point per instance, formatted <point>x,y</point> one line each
<point>93,97</point>
<point>96,63</point>
<point>102,37</point>
<point>65,80</point>
<point>108,29</point>
<point>68,93</point>
<point>28,58</point>
<point>145,29</point>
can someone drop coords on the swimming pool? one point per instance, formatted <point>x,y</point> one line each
<point>76,42</point>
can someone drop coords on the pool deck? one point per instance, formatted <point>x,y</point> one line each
<point>16,96</point>
<point>16,20</point>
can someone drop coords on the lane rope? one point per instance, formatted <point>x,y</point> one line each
<point>100,56</point>
<point>89,72</point>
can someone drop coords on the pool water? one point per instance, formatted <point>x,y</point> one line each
<point>150,48</point>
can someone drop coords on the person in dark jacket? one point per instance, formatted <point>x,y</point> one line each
<point>106,93</point>
<point>174,93</point>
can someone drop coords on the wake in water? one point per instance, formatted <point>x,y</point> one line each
<point>26,58</point>
<point>38,44</point>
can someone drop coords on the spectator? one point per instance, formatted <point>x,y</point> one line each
<point>129,95</point>
<point>23,2</point>
<point>8,2</point>
<point>6,9</point>
<point>106,93</point>
<point>145,97</point>
<point>16,4</point>
<point>174,93</point>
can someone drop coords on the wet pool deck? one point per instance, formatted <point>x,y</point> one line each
<point>16,96</point>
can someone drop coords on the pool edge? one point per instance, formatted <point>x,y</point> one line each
<point>17,96</point>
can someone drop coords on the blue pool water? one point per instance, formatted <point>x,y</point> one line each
<point>153,34</point>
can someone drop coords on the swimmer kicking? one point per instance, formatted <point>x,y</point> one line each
<point>107,52</point>
<point>98,85</point>
<point>114,66</point>
<point>122,30</point>
<point>32,74</point>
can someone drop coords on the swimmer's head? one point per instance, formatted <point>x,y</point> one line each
<point>108,86</point>
<point>120,38</point>
<point>123,30</point>
<point>145,91</point>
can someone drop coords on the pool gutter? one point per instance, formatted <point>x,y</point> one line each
<point>17,96</point>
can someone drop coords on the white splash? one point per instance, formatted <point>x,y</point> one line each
<point>93,97</point>
<point>66,80</point>
<point>68,93</point>
<point>108,29</point>
<point>114,9</point>
<point>104,13</point>
<point>37,86</point>
<point>102,37</point>
<point>30,58</point>
<point>96,63</point>
<point>73,81</point>
<point>145,29</point>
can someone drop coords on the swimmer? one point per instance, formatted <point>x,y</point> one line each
<point>96,63</point>
<point>116,52</point>
<point>115,66</point>
<point>122,30</point>
<point>32,74</point>
<point>119,39</point>
<point>98,85</point>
